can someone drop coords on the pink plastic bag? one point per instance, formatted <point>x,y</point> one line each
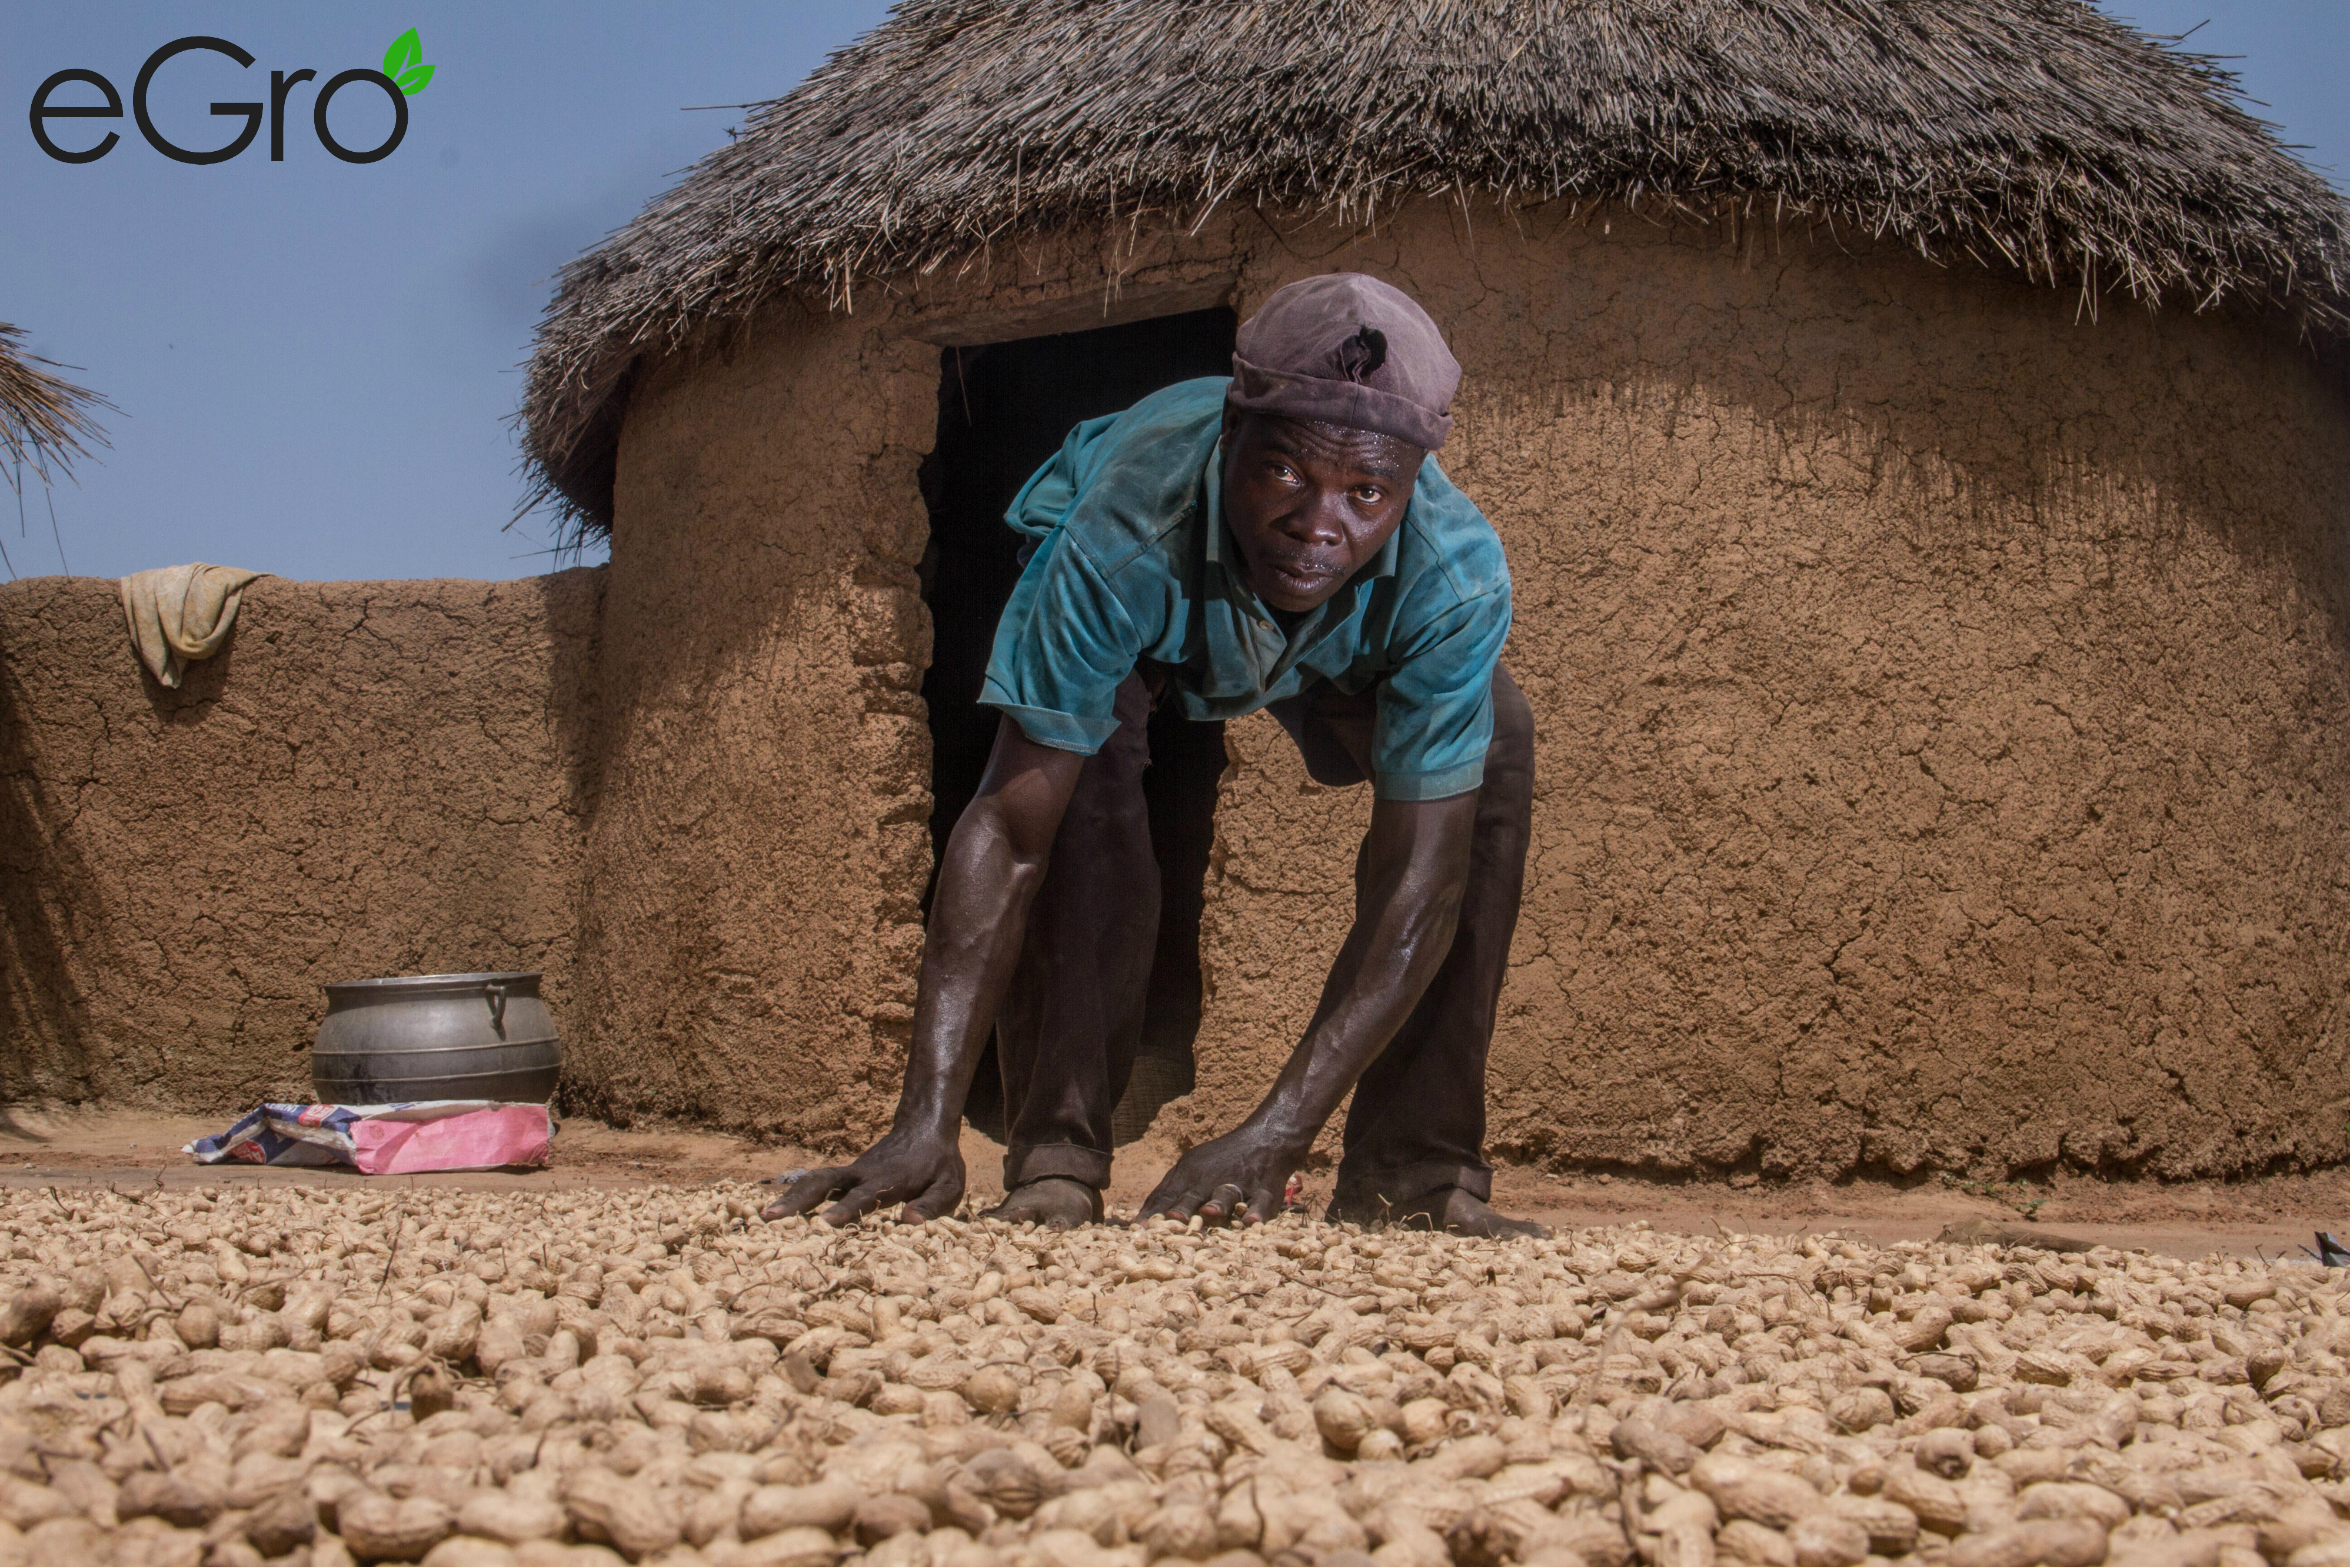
<point>477,1140</point>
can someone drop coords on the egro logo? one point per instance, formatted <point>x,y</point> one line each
<point>404,73</point>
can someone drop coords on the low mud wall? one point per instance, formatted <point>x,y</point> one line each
<point>371,779</point>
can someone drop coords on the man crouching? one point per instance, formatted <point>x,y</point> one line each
<point>1277,540</point>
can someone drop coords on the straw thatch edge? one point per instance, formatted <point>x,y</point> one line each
<point>45,419</point>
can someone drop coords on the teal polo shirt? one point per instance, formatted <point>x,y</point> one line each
<point>1132,562</point>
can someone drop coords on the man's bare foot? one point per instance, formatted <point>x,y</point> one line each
<point>1466,1214</point>
<point>1058,1201</point>
<point>1448,1209</point>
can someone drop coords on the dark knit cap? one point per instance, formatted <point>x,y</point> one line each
<point>1349,350</point>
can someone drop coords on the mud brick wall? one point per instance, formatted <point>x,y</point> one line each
<point>1942,693</point>
<point>760,848</point>
<point>1943,703</point>
<point>371,779</point>
<point>1943,697</point>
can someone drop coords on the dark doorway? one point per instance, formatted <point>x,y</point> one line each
<point>1004,409</point>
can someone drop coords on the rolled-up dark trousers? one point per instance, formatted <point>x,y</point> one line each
<point>1071,1021</point>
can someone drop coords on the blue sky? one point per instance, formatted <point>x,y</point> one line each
<point>315,361</point>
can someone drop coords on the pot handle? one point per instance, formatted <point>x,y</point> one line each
<point>497,994</point>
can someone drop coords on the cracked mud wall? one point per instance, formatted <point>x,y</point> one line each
<point>1942,755</point>
<point>751,922</point>
<point>1943,759</point>
<point>755,865</point>
<point>371,779</point>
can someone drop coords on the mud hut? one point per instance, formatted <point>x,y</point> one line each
<point>1919,433</point>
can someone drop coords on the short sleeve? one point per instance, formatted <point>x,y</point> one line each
<point>1063,645</point>
<point>1436,704</point>
<point>1044,502</point>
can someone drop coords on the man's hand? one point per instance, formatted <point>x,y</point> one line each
<point>921,1172</point>
<point>1239,1176</point>
<point>995,859</point>
<point>1414,865</point>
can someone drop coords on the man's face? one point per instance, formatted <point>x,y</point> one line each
<point>1309,503</point>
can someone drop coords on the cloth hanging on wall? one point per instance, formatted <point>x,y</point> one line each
<point>179,614</point>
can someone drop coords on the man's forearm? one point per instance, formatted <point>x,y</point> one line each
<point>995,861</point>
<point>1416,871</point>
<point>978,915</point>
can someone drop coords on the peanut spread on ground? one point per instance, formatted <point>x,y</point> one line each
<point>304,1374</point>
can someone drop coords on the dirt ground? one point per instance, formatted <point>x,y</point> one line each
<point>66,1146</point>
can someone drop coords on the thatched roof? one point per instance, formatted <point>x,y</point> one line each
<point>2039,135</point>
<point>44,418</point>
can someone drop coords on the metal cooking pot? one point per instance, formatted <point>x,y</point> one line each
<point>436,1037</point>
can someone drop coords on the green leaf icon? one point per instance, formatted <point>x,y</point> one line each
<point>405,53</point>
<point>413,80</point>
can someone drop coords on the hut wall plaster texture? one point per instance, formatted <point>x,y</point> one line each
<point>1941,700</point>
<point>1942,759</point>
<point>761,843</point>
<point>371,779</point>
